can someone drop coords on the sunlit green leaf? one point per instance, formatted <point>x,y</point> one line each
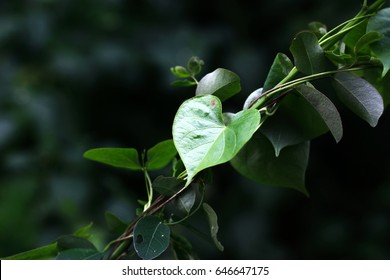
<point>160,155</point>
<point>117,157</point>
<point>221,83</point>
<point>257,161</point>
<point>281,66</point>
<point>203,139</point>
<point>359,96</point>
<point>213,223</point>
<point>308,55</point>
<point>325,109</point>
<point>151,237</point>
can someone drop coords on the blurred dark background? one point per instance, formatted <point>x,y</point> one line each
<point>76,75</point>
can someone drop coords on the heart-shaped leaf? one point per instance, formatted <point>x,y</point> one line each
<point>221,83</point>
<point>258,162</point>
<point>117,157</point>
<point>308,55</point>
<point>325,109</point>
<point>359,96</point>
<point>203,139</point>
<point>151,237</point>
<point>160,155</point>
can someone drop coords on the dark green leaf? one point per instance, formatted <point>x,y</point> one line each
<point>366,40</point>
<point>117,157</point>
<point>114,223</point>
<point>294,122</point>
<point>202,138</point>
<point>160,155</point>
<point>80,254</point>
<point>71,241</point>
<point>308,55</point>
<point>84,231</point>
<point>194,65</point>
<point>213,223</point>
<point>280,68</point>
<point>325,109</point>
<point>359,96</point>
<point>167,186</point>
<point>180,72</point>
<point>185,201</point>
<point>183,83</point>
<point>221,83</point>
<point>338,58</point>
<point>318,28</point>
<point>258,162</point>
<point>47,252</point>
<point>151,237</point>
<point>181,247</point>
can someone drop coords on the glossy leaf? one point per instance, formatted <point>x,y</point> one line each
<point>280,68</point>
<point>151,237</point>
<point>325,109</point>
<point>46,252</point>
<point>309,57</point>
<point>213,223</point>
<point>117,157</point>
<point>221,83</point>
<point>381,23</point>
<point>203,139</point>
<point>258,162</point>
<point>160,155</point>
<point>294,122</point>
<point>167,186</point>
<point>114,223</point>
<point>359,96</point>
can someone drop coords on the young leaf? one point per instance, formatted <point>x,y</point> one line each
<point>183,83</point>
<point>202,138</point>
<point>213,223</point>
<point>117,157</point>
<point>221,83</point>
<point>46,252</point>
<point>180,72</point>
<point>258,162</point>
<point>308,55</point>
<point>167,186</point>
<point>114,223</point>
<point>151,237</point>
<point>280,68</point>
<point>194,65</point>
<point>325,109</point>
<point>160,155</point>
<point>359,96</point>
<point>295,121</point>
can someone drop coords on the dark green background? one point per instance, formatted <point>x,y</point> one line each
<point>76,75</point>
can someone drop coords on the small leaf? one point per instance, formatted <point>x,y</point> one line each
<point>80,254</point>
<point>46,252</point>
<point>359,96</point>
<point>213,223</point>
<point>151,237</point>
<point>202,138</point>
<point>194,65</point>
<point>325,109</point>
<point>221,83</point>
<point>117,157</point>
<point>295,121</point>
<point>183,83</point>
<point>160,155</point>
<point>185,201</point>
<point>258,162</point>
<point>167,186</point>
<point>308,55</point>
<point>114,223</point>
<point>180,72</point>
<point>280,68</point>
<point>366,40</point>
<point>318,28</point>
